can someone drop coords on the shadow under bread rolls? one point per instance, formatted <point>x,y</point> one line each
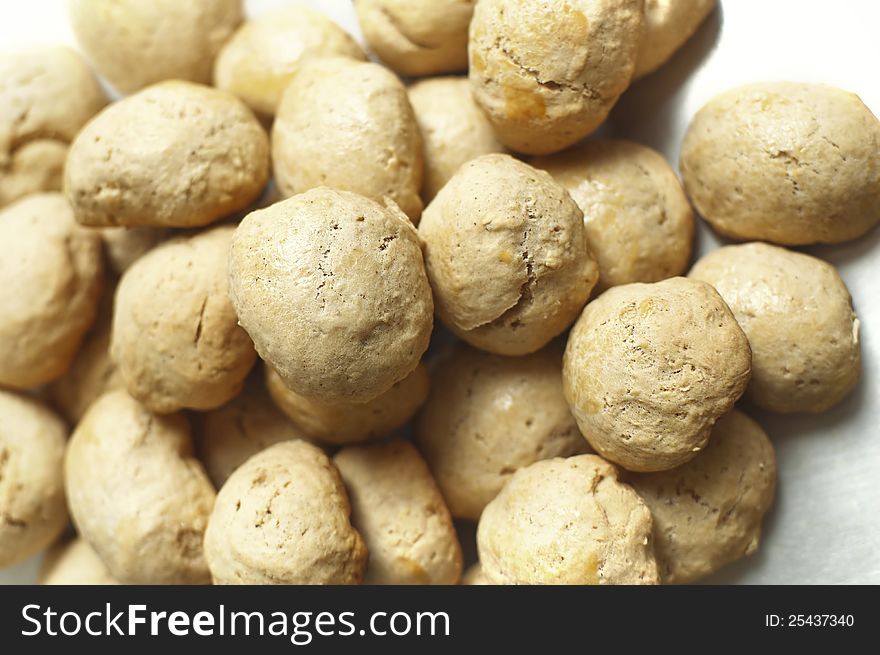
<point>798,316</point>
<point>74,562</point>
<point>32,507</point>
<point>137,494</point>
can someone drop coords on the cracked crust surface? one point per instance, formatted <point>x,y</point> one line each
<point>708,512</point>
<point>488,416</point>
<point>51,277</point>
<point>135,43</point>
<point>548,73</point>
<point>798,315</point>
<point>176,338</point>
<point>398,509</point>
<point>785,162</point>
<point>260,59</point>
<point>649,368</point>
<point>639,223</point>
<point>332,289</point>
<point>668,25</point>
<point>74,563</point>
<point>342,423</point>
<point>32,507</point>
<point>206,156</point>
<point>136,493</point>
<point>230,435</point>
<point>46,95</point>
<point>283,518</point>
<point>507,255</point>
<point>348,125</point>
<point>567,521</point>
<point>417,37</point>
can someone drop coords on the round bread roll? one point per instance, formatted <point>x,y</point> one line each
<point>798,316</point>
<point>258,62</point>
<point>454,129</point>
<point>51,277</point>
<point>488,416</point>
<point>417,37</point>
<point>46,95</point>
<point>668,25</point>
<point>507,256</point>
<point>397,507</point>
<point>332,289</point>
<point>32,509</point>
<point>230,435</point>
<point>342,423</point>
<point>546,73</point>
<point>708,511</point>
<point>74,563</point>
<point>136,493</point>
<point>638,221</point>
<point>785,162</point>
<point>134,43</point>
<point>649,368</point>
<point>283,518</point>
<point>124,245</point>
<point>475,576</point>
<point>176,338</point>
<point>205,156</point>
<point>567,521</point>
<point>348,124</point>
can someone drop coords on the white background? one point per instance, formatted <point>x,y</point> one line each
<point>825,526</point>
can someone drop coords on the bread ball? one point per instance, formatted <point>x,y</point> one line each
<point>342,423</point>
<point>176,338</point>
<point>638,221</point>
<point>668,25</point>
<point>32,509</point>
<point>507,256</point>
<point>567,521</point>
<point>397,507</point>
<point>332,289</point>
<point>348,124</point>
<point>785,162</point>
<point>74,563</point>
<point>548,73</point>
<point>46,95</point>
<point>417,37</point>
<point>136,493</point>
<point>708,511</point>
<point>488,416</point>
<point>230,435</point>
<point>51,277</point>
<point>798,315</point>
<point>283,518</point>
<point>134,43</point>
<point>454,129</point>
<point>176,154</point>
<point>475,576</point>
<point>124,245</point>
<point>649,368</point>
<point>258,62</point>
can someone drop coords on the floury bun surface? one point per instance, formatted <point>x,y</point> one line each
<point>798,315</point>
<point>46,95</point>
<point>74,563</point>
<point>51,277</point>
<point>649,368</point>
<point>785,162</point>
<point>283,517</point>
<point>176,339</point>
<point>668,24</point>
<point>567,521</point>
<point>417,37</point>
<point>548,73</point>
<point>507,256</point>
<point>135,43</point>
<point>206,156</point>
<point>348,125</point>
<point>259,60</point>
<point>638,220</point>
<point>332,289</point>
